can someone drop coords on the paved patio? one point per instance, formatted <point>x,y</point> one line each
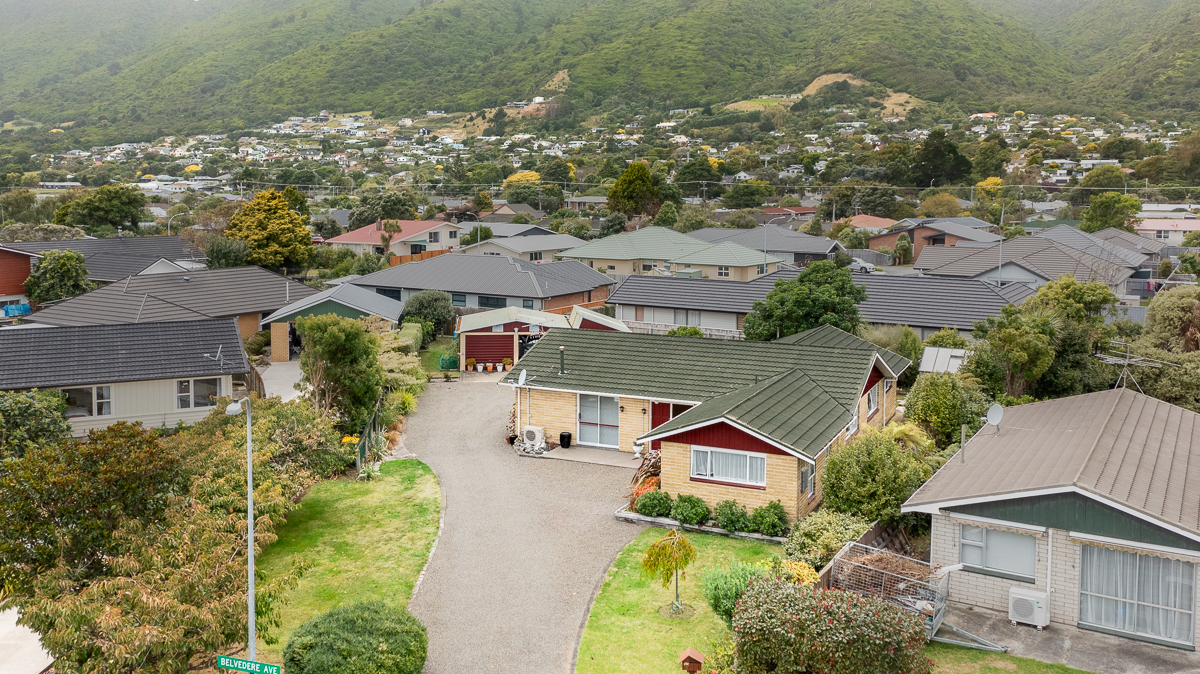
<point>280,379</point>
<point>1071,646</point>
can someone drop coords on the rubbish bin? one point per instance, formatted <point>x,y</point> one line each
<point>564,439</point>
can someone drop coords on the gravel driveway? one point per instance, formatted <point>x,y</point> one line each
<point>524,544</point>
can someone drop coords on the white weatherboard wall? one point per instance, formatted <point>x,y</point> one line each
<point>150,402</point>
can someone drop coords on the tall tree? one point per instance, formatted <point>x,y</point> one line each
<point>390,205</point>
<point>106,210</point>
<point>633,191</point>
<point>340,365</point>
<point>748,194</point>
<point>60,274</point>
<point>698,174</point>
<point>938,162</point>
<point>822,294</point>
<point>276,235</point>
<point>1111,210</point>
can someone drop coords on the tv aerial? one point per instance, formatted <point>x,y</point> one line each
<point>1118,353</point>
<point>219,358</point>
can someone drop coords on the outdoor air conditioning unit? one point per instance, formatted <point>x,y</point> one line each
<point>534,436</point>
<point>1028,606</point>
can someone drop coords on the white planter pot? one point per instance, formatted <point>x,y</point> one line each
<point>479,368</point>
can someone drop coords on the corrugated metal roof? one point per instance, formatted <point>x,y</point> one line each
<point>898,300</point>
<point>489,275</point>
<point>103,354</point>
<point>941,359</point>
<point>647,243</point>
<point>528,244</point>
<point>776,239</point>
<point>1138,451</point>
<point>178,296</point>
<point>1069,236</point>
<point>119,257</point>
<point>348,295</point>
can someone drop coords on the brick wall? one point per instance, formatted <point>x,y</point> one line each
<point>783,481</point>
<point>14,269</point>
<point>557,411</point>
<point>248,325</point>
<point>598,294</point>
<point>280,349</point>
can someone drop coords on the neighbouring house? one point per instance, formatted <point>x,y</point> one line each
<point>110,260</point>
<point>15,267</point>
<point>530,248</point>
<point>415,236</point>
<point>872,224</point>
<point>506,212</point>
<point>491,336</point>
<point>726,415</point>
<point>923,232</point>
<point>1087,502</point>
<point>1094,245</point>
<point>495,282</point>
<point>1169,230</point>
<point>791,247</point>
<point>504,230</point>
<point>586,203</point>
<point>656,304</point>
<point>662,251</point>
<point>1138,244</point>
<point>247,294</point>
<point>1030,260</point>
<point>798,213</point>
<point>343,299</point>
<point>161,374</point>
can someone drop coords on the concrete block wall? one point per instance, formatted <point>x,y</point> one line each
<point>783,481</point>
<point>558,411</point>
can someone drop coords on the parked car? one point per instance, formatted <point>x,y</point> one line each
<point>861,267</point>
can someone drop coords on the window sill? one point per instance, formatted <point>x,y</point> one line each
<point>1137,637</point>
<point>871,414</point>
<point>999,574</point>
<point>728,484</point>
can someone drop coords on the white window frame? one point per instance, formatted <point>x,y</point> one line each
<point>722,272</point>
<point>762,268</point>
<point>808,480</point>
<point>1162,233</point>
<point>853,427</point>
<point>982,545</point>
<point>434,237</point>
<point>535,256</point>
<point>192,393</point>
<point>578,420</point>
<point>1137,601</point>
<point>708,463</point>
<point>873,400</point>
<point>96,399</point>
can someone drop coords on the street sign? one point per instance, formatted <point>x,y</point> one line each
<point>226,662</point>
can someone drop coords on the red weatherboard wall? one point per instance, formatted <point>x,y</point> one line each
<point>14,269</point>
<point>725,436</point>
<point>592,325</point>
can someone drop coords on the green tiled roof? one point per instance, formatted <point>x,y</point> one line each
<point>648,243</point>
<point>726,254</point>
<point>790,408</point>
<point>692,369</point>
<point>830,337</point>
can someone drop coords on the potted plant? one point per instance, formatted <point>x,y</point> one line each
<point>470,364</point>
<point>507,363</point>
<point>479,367</point>
<point>489,367</point>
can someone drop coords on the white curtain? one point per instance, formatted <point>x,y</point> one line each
<point>758,469</point>
<point>699,463</point>
<point>1140,594</point>
<point>599,420</point>
<point>727,466</point>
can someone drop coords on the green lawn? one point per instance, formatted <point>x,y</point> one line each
<point>625,634</point>
<point>431,355</point>
<point>364,540</point>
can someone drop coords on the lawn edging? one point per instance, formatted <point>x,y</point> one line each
<point>438,536</point>
<point>626,515</point>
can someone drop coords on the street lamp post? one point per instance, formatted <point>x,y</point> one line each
<point>234,409</point>
<point>170,219</point>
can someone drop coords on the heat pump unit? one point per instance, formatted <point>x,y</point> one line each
<point>1028,606</point>
<point>534,436</point>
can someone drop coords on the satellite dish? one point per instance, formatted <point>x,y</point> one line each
<point>521,380</point>
<point>995,415</point>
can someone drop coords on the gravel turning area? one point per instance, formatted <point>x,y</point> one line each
<point>524,545</point>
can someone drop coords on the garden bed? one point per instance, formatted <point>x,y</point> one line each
<point>627,515</point>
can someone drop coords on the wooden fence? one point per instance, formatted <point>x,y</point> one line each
<point>403,259</point>
<point>567,309</point>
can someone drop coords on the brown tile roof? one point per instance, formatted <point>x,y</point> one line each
<point>1134,450</point>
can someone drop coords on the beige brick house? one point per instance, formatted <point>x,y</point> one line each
<point>747,421</point>
<point>1091,499</point>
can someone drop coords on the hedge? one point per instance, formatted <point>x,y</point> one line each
<point>363,638</point>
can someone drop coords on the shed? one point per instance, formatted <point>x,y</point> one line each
<point>492,336</point>
<point>346,300</point>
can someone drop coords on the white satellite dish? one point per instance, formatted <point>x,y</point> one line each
<point>521,380</point>
<point>995,415</point>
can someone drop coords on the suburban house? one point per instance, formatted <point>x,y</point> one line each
<point>657,304</point>
<point>247,294</point>
<point>494,282</point>
<point>491,336</point>
<point>658,250</point>
<point>1138,244</point>
<point>1030,260</point>
<point>1169,230</point>
<point>161,374</point>
<point>724,414</point>
<point>872,224</point>
<point>415,236</point>
<point>343,299</point>
<point>506,212</point>
<point>15,267</point>
<point>791,247</point>
<point>934,232</point>
<point>586,203</point>
<point>504,230</point>
<point>530,248</point>
<point>1096,246</point>
<point>1086,504</point>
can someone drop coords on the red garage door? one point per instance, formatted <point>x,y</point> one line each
<point>485,348</point>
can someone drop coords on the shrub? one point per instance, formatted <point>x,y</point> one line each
<point>654,504</point>
<point>785,628</point>
<point>769,520</point>
<point>872,477</point>
<point>396,405</point>
<point>430,306</point>
<point>31,419</point>
<point>938,403</point>
<point>817,538</point>
<point>363,638</point>
<point>256,343</point>
<point>690,509</point>
<point>685,331</point>
<point>731,516</point>
<point>412,335</point>
<point>723,587</point>
<point>798,572</point>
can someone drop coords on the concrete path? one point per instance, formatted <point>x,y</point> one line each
<point>20,650</point>
<point>524,543</point>
<point>280,379</point>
